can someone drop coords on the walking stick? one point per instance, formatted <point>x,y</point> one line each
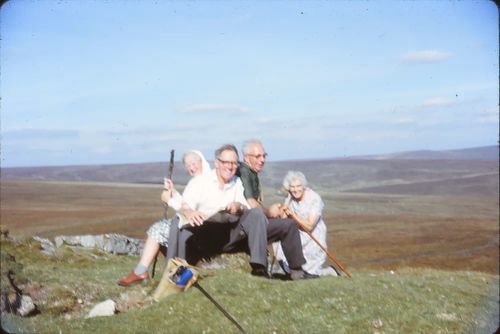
<point>165,205</point>
<point>170,172</point>
<point>229,316</point>
<point>330,255</point>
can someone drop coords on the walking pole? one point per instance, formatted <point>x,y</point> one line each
<point>330,255</point>
<point>229,316</point>
<point>165,205</point>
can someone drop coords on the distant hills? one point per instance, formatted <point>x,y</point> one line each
<point>474,153</point>
<point>473,170</point>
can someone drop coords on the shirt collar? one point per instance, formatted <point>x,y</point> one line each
<point>245,165</point>
<point>215,179</point>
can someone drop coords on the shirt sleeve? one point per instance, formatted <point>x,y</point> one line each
<point>175,202</point>
<point>249,185</point>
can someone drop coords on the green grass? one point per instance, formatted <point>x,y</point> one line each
<point>406,301</point>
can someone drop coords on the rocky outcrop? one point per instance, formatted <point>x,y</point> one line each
<point>111,243</point>
<point>47,247</point>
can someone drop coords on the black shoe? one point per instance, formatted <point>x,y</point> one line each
<point>296,275</point>
<point>335,269</point>
<point>260,271</point>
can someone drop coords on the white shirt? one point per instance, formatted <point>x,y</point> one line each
<point>202,193</point>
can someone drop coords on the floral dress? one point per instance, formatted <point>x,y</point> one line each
<point>311,203</point>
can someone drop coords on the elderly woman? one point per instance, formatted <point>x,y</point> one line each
<point>306,207</point>
<point>195,164</point>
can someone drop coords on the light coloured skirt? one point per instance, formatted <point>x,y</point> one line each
<point>314,255</point>
<point>159,231</point>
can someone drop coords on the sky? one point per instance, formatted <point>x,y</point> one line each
<point>108,82</point>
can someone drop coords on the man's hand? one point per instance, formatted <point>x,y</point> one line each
<point>285,211</point>
<point>235,208</point>
<point>195,218</point>
<point>274,211</point>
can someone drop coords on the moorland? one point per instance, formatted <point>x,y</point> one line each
<point>381,211</point>
<point>419,232</point>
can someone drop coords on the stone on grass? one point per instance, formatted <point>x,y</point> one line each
<point>106,308</point>
<point>26,306</point>
<point>377,323</point>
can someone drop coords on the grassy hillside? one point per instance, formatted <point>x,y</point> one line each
<point>434,223</point>
<point>66,286</point>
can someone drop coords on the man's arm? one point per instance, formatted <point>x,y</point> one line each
<point>191,199</point>
<point>251,192</point>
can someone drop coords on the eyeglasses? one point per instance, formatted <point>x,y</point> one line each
<point>258,156</point>
<point>229,163</point>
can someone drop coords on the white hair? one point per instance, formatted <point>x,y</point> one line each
<point>247,143</point>
<point>294,175</point>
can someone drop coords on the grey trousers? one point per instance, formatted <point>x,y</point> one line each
<point>254,227</point>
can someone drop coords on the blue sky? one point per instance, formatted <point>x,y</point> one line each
<point>101,82</point>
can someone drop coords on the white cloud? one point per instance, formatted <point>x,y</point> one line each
<point>404,121</point>
<point>426,56</point>
<point>489,116</point>
<point>437,102</point>
<point>204,107</point>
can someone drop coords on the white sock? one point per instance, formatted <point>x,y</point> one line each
<point>140,269</point>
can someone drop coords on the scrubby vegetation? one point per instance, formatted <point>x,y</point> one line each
<point>65,286</point>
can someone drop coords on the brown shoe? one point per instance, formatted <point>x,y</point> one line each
<point>133,279</point>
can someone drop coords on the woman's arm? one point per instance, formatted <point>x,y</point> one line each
<point>306,224</point>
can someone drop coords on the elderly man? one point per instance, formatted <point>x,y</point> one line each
<point>254,158</point>
<point>206,196</point>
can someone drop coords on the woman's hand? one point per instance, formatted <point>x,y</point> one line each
<point>168,185</point>
<point>166,195</point>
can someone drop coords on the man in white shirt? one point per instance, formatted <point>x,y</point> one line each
<point>222,191</point>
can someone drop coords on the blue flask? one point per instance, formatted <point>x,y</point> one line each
<point>184,277</point>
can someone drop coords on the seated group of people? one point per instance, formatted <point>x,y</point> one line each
<point>223,208</point>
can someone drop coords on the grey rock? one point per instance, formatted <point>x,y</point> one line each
<point>59,241</point>
<point>87,241</point>
<point>120,244</point>
<point>110,243</point>
<point>26,306</point>
<point>47,245</point>
<point>106,308</point>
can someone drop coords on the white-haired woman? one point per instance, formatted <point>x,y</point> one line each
<point>305,206</point>
<point>195,164</point>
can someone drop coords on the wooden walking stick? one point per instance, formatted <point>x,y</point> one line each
<point>165,205</point>
<point>170,172</point>
<point>330,255</point>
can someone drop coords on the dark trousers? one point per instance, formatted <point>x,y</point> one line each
<point>286,231</point>
<point>252,231</point>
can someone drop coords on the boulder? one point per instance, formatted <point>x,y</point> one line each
<point>106,308</point>
<point>26,306</point>
<point>110,243</point>
<point>46,245</point>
